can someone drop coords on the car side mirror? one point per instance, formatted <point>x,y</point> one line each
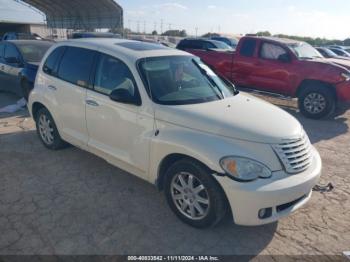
<point>285,58</point>
<point>12,60</point>
<point>122,95</point>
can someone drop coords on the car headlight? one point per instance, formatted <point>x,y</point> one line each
<point>244,169</point>
<point>346,76</point>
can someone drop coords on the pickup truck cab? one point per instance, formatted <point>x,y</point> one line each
<point>164,116</point>
<point>287,67</point>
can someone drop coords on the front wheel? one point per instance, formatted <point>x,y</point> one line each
<point>316,102</point>
<point>194,195</point>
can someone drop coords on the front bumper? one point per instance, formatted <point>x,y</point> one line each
<point>343,91</point>
<point>283,193</point>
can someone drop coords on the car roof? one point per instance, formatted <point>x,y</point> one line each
<point>23,42</point>
<point>286,41</point>
<point>127,49</point>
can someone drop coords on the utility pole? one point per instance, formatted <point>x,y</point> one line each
<point>138,26</point>
<point>155,26</point>
<point>144,27</point>
<point>169,27</point>
<point>161,26</point>
<point>196,31</point>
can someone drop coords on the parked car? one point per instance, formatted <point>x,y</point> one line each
<point>233,42</point>
<point>202,44</point>
<point>327,53</point>
<point>77,35</point>
<point>340,52</point>
<point>286,67</point>
<point>19,61</point>
<point>21,36</point>
<point>166,117</point>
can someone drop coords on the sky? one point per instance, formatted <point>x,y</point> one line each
<point>315,18</point>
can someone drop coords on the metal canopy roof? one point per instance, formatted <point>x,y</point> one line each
<point>80,14</point>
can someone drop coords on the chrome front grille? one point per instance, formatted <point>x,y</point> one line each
<point>295,154</point>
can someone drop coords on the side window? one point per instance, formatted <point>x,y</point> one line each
<point>196,44</point>
<point>248,47</point>
<point>50,66</point>
<point>75,66</point>
<point>271,51</point>
<point>112,74</point>
<point>11,51</point>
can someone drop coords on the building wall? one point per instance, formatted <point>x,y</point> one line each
<point>44,31</point>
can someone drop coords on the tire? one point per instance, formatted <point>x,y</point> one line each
<point>47,130</point>
<point>322,96</point>
<point>26,88</point>
<point>211,198</point>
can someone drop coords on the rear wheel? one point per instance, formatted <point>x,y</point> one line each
<point>47,130</point>
<point>194,195</point>
<point>316,101</point>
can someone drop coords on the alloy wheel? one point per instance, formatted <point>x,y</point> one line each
<point>315,103</point>
<point>190,196</point>
<point>46,130</point>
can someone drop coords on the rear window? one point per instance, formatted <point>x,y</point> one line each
<point>34,52</point>
<point>75,66</point>
<point>248,47</point>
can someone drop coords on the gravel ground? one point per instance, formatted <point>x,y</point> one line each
<point>71,202</point>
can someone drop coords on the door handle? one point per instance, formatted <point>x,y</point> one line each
<point>92,103</point>
<point>51,87</point>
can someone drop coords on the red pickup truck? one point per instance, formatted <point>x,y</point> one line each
<point>283,66</point>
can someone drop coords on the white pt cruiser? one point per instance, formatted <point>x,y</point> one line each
<point>164,116</point>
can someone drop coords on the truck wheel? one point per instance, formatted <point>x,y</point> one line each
<point>194,195</point>
<point>316,102</point>
<point>47,130</point>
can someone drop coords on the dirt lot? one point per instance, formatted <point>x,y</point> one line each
<point>71,202</point>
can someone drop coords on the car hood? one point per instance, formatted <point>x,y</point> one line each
<point>241,117</point>
<point>342,62</point>
<point>336,63</point>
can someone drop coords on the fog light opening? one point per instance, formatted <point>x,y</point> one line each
<point>265,213</point>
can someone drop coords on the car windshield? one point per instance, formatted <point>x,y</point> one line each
<point>304,51</point>
<point>330,52</point>
<point>221,45</point>
<point>33,52</point>
<point>181,80</point>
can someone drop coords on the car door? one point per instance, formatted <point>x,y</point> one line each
<point>68,91</point>
<point>245,63</point>
<point>118,132</point>
<point>274,70</point>
<point>13,64</point>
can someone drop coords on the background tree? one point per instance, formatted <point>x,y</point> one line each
<point>154,32</point>
<point>179,33</point>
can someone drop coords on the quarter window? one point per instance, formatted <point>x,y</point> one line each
<point>271,51</point>
<point>50,66</point>
<point>75,66</point>
<point>248,47</point>
<point>112,74</point>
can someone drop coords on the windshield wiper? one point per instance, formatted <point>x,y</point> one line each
<point>211,81</point>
